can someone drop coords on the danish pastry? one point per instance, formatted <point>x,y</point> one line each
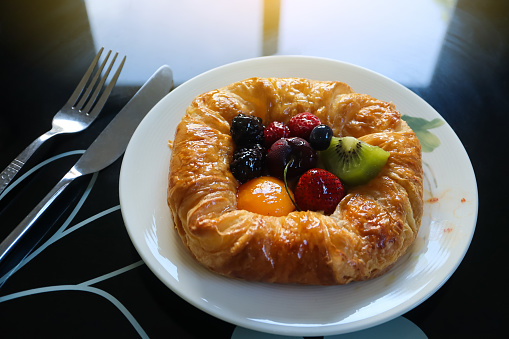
<point>371,227</point>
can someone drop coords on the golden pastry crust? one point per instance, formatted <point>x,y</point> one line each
<point>371,227</point>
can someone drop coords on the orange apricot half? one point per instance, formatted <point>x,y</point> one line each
<point>265,195</point>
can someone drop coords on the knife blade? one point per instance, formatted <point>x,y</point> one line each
<point>106,148</point>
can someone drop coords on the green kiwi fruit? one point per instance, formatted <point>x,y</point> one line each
<point>353,161</point>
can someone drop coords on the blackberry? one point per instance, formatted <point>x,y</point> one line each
<point>246,130</point>
<point>248,163</point>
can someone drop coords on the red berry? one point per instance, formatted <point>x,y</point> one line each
<point>318,190</point>
<point>275,131</point>
<point>302,124</point>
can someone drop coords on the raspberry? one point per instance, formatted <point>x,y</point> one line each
<point>302,124</point>
<point>275,131</point>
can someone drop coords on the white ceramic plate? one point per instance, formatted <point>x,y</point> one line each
<point>450,214</point>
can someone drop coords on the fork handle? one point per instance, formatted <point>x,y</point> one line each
<point>14,167</point>
<point>20,230</point>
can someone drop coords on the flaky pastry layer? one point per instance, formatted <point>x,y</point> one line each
<point>371,228</point>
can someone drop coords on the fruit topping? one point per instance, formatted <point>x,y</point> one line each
<point>353,161</point>
<point>265,195</point>
<point>246,130</point>
<point>320,137</point>
<point>319,190</point>
<point>296,150</point>
<point>275,131</point>
<point>248,162</point>
<point>302,124</point>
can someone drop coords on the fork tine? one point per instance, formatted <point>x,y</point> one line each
<point>81,86</point>
<point>92,84</point>
<point>99,86</point>
<point>102,100</point>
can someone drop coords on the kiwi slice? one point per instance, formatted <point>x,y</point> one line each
<point>353,161</point>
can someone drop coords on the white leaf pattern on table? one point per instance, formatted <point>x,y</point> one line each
<point>60,234</point>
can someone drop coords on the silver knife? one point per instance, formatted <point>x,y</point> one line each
<point>107,148</point>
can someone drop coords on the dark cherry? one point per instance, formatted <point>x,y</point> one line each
<point>320,137</point>
<point>296,151</point>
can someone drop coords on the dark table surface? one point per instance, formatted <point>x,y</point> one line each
<point>453,54</point>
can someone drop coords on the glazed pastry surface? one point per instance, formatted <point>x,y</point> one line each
<point>371,228</point>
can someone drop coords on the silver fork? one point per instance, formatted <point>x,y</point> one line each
<point>76,115</point>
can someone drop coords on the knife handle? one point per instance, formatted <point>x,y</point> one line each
<point>20,230</point>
